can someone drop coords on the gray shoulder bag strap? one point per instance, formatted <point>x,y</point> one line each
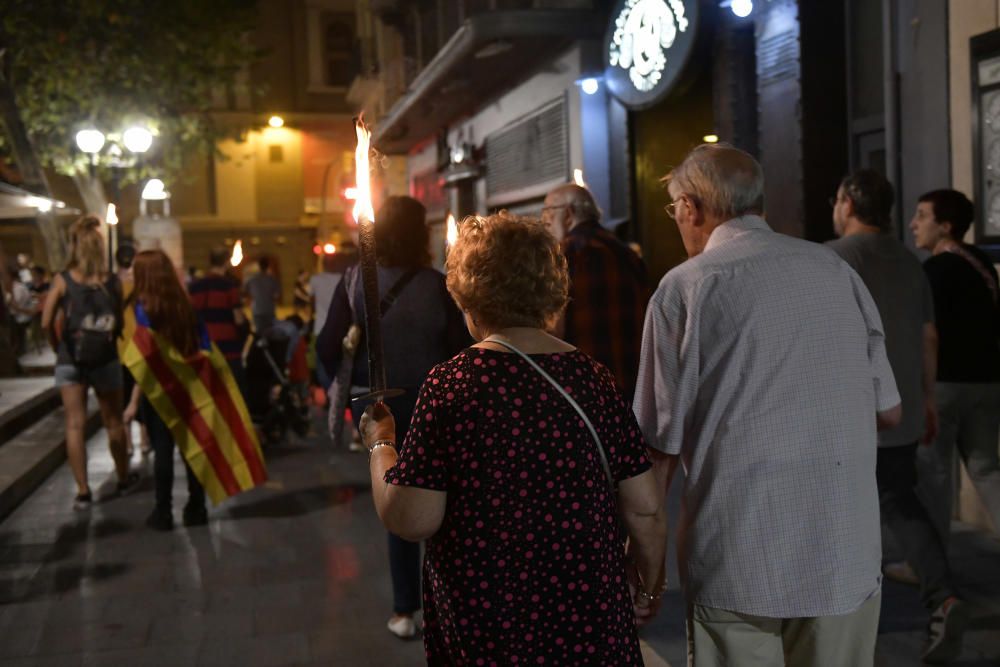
<point>565,394</point>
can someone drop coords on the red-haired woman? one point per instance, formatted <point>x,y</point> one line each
<point>86,355</point>
<point>159,298</point>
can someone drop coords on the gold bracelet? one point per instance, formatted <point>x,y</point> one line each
<point>380,443</point>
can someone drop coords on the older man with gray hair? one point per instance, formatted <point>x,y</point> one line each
<point>764,372</point>
<point>608,287</point>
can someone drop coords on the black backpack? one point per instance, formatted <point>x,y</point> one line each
<point>92,342</point>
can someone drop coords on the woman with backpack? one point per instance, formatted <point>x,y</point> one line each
<point>89,299</point>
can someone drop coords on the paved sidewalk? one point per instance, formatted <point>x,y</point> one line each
<point>975,560</point>
<point>294,573</point>
<point>290,574</point>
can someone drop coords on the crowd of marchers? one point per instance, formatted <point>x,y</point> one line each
<point>811,393</point>
<point>806,390</point>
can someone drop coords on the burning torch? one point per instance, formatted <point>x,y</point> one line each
<point>111,218</point>
<point>237,257</point>
<point>451,232</point>
<point>364,215</point>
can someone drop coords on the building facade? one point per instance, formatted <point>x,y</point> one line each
<point>494,102</point>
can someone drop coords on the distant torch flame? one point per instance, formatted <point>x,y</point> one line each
<point>451,234</point>
<point>578,178</point>
<point>237,255</point>
<point>363,203</point>
<point>112,217</point>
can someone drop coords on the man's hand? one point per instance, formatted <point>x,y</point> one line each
<point>930,422</point>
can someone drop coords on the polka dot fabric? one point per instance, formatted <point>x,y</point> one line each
<point>527,567</point>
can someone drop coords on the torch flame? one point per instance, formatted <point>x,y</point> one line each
<point>363,203</point>
<point>578,178</point>
<point>112,217</point>
<point>451,235</point>
<point>237,255</point>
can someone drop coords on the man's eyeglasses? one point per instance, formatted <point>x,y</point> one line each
<point>671,208</point>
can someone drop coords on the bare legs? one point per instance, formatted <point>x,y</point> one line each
<point>74,398</point>
<point>111,414</point>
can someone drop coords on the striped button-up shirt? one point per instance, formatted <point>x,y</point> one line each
<point>763,365</point>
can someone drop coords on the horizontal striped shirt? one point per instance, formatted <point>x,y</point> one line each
<point>214,299</point>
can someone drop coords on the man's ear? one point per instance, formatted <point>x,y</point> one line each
<point>946,226</point>
<point>697,213</point>
<point>849,207</point>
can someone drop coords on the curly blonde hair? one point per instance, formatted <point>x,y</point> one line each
<point>508,271</point>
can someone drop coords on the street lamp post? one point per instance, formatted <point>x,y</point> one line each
<point>137,141</point>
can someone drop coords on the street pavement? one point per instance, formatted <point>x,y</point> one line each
<point>292,573</point>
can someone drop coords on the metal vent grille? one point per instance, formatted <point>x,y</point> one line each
<point>777,57</point>
<point>529,152</point>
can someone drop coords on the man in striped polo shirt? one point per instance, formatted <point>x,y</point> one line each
<point>216,298</point>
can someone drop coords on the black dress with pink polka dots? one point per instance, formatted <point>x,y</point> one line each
<point>527,567</point>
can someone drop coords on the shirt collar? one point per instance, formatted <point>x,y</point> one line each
<point>585,228</point>
<point>730,229</point>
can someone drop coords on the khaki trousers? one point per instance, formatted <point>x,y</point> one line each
<point>718,638</point>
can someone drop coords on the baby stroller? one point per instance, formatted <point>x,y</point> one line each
<point>273,404</point>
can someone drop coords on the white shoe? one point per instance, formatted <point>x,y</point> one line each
<point>402,626</point>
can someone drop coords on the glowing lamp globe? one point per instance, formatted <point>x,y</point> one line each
<point>90,140</point>
<point>137,139</point>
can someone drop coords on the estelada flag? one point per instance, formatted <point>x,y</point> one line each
<point>199,401</point>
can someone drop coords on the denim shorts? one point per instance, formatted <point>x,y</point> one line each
<point>104,379</point>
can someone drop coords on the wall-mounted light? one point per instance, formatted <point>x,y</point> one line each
<point>711,138</point>
<point>329,248</point>
<point>351,193</point>
<point>276,121</point>
<point>741,8</point>
<point>42,204</point>
<point>589,85</point>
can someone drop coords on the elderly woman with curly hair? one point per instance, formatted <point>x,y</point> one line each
<point>520,460</point>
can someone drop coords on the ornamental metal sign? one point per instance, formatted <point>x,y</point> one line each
<point>646,47</point>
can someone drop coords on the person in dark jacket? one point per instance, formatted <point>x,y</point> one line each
<point>422,327</point>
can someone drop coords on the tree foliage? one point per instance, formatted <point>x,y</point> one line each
<point>110,64</point>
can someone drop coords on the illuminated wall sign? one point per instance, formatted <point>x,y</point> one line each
<point>647,46</point>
